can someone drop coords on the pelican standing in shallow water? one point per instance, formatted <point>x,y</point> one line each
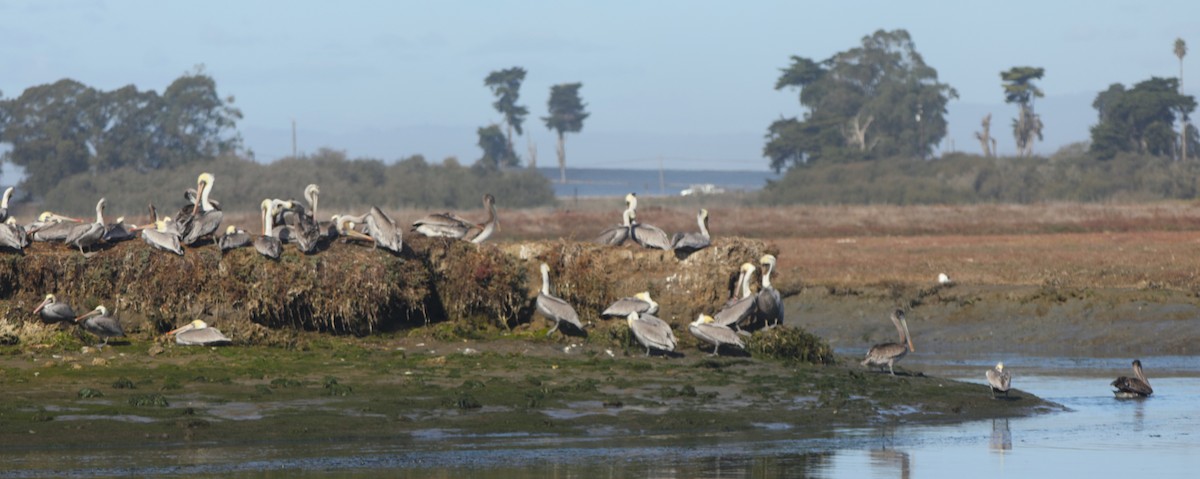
<point>86,235</point>
<point>888,353</point>
<point>768,303</point>
<point>705,329</point>
<point>198,333</point>
<point>651,331</point>
<point>52,311</point>
<point>688,243</point>
<point>641,303</point>
<point>98,322</point>
<point>999,379</point>
<point>206,218</point>
<point>553,307</point>
<point>1133,387</point>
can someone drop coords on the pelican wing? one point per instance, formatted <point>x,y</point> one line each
<point>622,307</point>
<point>1134,386</point>
<point>203,224</point>
<point>557,310</point>
<point>268,246</point>
<point>162,240</point>
<point>208,336</point>
<point>442,225</point>
<point>769,306</point>
<point>650,236</point>
<point>717,335</point>
<point>653,332</point>
<point>735,312</point>
<point>690,242</point>
<point>999,380</point>
<point>57,312</point>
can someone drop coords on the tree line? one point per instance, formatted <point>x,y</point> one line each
<point>880,100</point>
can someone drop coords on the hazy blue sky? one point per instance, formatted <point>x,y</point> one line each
<point>690,82</point>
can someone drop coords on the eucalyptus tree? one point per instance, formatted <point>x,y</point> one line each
<point>1141,119</point>
<point>1180,52</point>
<point>1019,89</point>
<point>496,152</point>
<point>876,100</point>
<point>506,86</point>
<point>566,116</point>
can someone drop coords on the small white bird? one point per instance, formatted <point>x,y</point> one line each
<point>943,279</point>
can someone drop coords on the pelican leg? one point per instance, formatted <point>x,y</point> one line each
<point>551,331</point>
<point>891,368</point>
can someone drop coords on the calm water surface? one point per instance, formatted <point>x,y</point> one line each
<point>1100,435</point>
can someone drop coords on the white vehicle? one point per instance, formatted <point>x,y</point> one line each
<point>702,189</point>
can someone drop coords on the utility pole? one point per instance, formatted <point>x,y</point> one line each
<point>662,184</point>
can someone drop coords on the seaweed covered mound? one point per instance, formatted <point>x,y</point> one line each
<point>356,289</point>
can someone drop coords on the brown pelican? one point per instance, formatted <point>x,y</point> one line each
<point>1133,387</point>
<point>999,379</point>
<point>119,231</point>
<point>161,236</point>
<point>646,235</point>
<point>616,235</point>
<point>889,353</point>
<point>743,308</point>
<point>768,303</point>
<point>266,244</point>
<point>4,204</point>
<point>705,329</point>
<point>640,303</point>
<point>12,236</point>
<point>98,322</point>
<point>553,307</point>
<point>384,230</point>
<point>198,333</point>
<point>88,234</point>
<point>492,224</point>
<point>688,243</point>
<point>233,238</point>
<point>651,331</point>
<point>52,227</point>
<point>450,225</point>
<point>206,218</point>
<point>52,311</point>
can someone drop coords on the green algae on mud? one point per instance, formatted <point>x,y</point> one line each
<point>339,388</point>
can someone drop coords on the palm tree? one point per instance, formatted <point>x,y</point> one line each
<point>1181,51</point>
<point>566,115</point>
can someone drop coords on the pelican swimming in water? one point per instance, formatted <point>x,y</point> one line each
<point>999,379</point>
<point>8,192</point>
<point>688,243</point>
<point>98,322</point>
<point>616,235</point>
<point>88,234</point>
<point>52,311</point>
<point>705,329</point>
<point>888,353</point>
<point>162,236</point>
<point>649,236</point>
<point>651,331</point>
<point>206,217</point>
<point>266,244</point>
<point>12,236</point>
<point>735,312</point>
<point>198,333</point>
<point>553,307</point>
<point>1133,387</point>
<point>640,303</point>
<point>768,302</point>
<point>234,238</point>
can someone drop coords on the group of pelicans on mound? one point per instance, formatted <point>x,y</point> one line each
<point>743,311</point>
<point>292,222</point>
<point>283,221</point>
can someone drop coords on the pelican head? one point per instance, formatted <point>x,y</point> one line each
<point>231,229</point>
<point>48,300</point>
<point>195,324</point>
<point>633,316</point>
<point>767,259</point>
<point>644,296</point>
<point>1000,366</point>
<point>748,268</point>
<point>45,216</point>
<point>99,311</point>
<point>703,319</point>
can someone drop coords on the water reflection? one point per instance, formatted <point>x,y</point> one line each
<point>1001,436</point>
<point>889,460</point>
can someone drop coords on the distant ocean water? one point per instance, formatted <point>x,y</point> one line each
<point>593,182</point>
